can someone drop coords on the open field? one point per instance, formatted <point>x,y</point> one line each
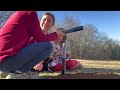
<point>101,66</point>
<point>91,68</point>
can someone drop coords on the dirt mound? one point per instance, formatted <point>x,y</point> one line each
<point>97,75</point>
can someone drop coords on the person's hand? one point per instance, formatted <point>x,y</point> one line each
<point>39,66</point>
<point>60,33</point>
<point>59,53</point>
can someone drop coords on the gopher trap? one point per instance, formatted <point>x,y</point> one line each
<point>64,47</point>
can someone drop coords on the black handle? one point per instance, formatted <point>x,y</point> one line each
<point>75,29</point>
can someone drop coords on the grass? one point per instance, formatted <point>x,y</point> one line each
<point>105,66</point>
<point>101,64</point>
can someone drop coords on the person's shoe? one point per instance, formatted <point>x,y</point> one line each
<point>15,76</point>
<point>27,75</point>
<point>3,74</point>
<point>78,66</point>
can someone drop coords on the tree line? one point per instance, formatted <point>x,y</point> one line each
<point>90,43</point>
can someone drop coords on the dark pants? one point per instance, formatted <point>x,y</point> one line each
<point>27,57</point>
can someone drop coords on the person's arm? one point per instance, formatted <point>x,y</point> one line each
<point>68,54</point>
<point>36,31</point>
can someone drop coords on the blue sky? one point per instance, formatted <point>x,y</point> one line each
<point>105,21</point>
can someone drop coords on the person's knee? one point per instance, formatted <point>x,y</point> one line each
<point>49,46</point>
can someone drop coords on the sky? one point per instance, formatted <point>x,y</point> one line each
<point>105,21</point>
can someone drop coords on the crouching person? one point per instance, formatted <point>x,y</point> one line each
<point>18,55</point>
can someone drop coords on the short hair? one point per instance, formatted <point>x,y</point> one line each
<point>50,14</point>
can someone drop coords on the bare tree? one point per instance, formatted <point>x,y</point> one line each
<point>68,23</point>
<point>89,43</point>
